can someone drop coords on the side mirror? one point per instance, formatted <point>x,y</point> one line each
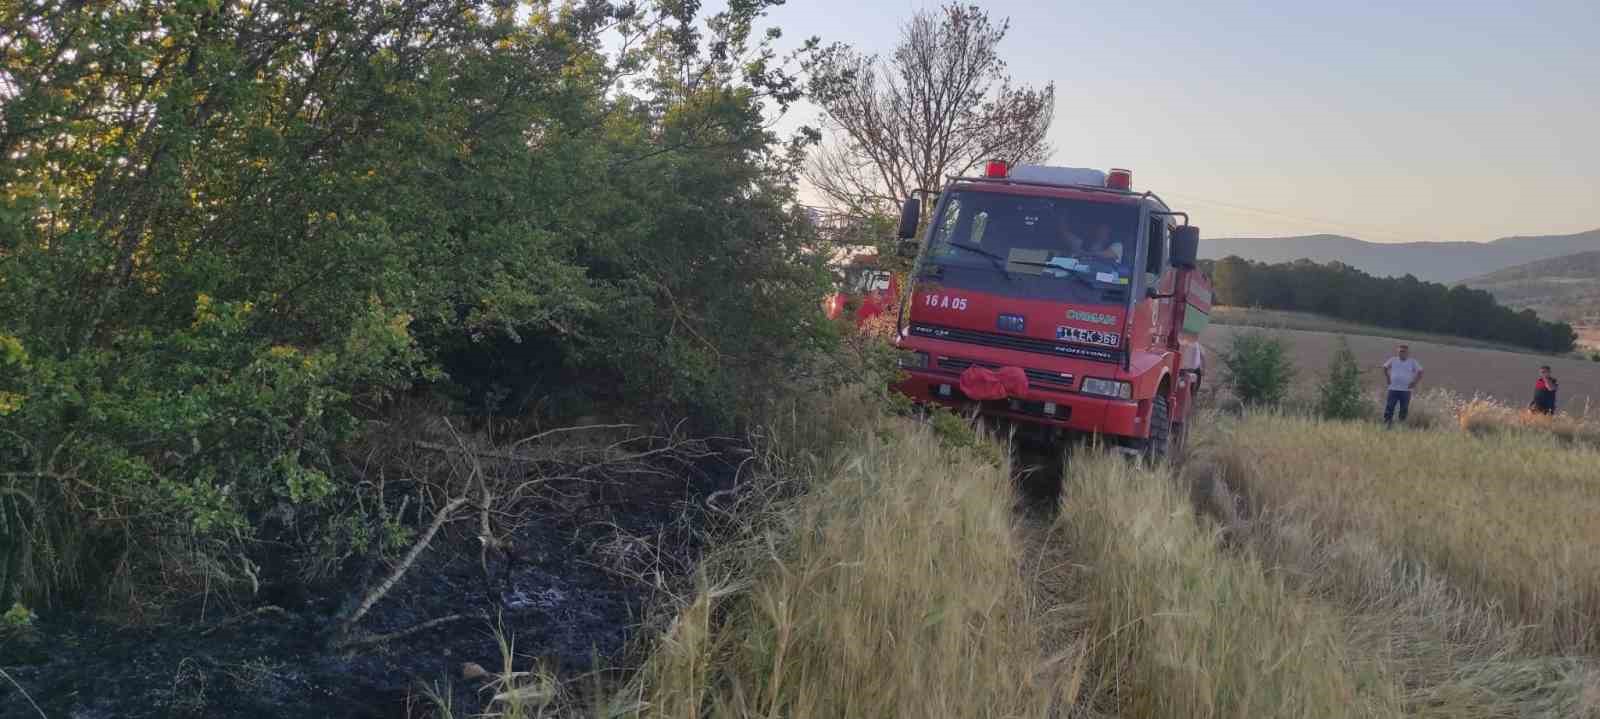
<point>1155,251</point>
<point>910,214</point>
<point>1185,246</point>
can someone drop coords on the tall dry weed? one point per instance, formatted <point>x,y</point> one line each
<point>1484,417</point>
<point>1505,516</point>
<point>892,588</point>
<point>1453,653</point>
<point>1180,627</point>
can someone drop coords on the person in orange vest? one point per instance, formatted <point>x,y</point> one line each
<point>1544,392</point>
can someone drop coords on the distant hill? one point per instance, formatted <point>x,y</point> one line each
<point>1565,288</point>
<point>1446,262</point>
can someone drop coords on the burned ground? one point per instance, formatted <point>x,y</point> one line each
<point>590,560</point>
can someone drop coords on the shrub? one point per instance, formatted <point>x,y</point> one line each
<point>1257,367</point>
<point>1340,395</point>
<point>17,617</point>
<point>188,350</point>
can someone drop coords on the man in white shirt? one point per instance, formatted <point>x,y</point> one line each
<point>1401,373</point>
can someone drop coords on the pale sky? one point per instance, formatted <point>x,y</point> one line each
<point>1432,121</point>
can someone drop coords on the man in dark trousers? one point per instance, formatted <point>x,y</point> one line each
<point>1544,392</point>
<point>1401,374</point>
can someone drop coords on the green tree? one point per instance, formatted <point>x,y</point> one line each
<point>228,236</point>
<point>1339,394</point>
<point>1256,367</point>
<point>1231,282</point>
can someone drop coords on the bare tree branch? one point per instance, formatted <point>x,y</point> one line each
<point>378,592</point>
<point>938,106</point>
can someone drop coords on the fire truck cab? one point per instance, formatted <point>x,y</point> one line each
<point>1056,299</point>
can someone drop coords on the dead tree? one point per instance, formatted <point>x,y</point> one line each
<point>940,105</point>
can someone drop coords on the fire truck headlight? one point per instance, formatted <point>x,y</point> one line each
<point>1107,388</point>
<point>913,360</point>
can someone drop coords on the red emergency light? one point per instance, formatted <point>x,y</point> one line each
<point>1119,179</point>
<point>994,168</point>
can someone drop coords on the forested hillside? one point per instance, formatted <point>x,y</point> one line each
<point>1448,260</point>
<point>1566,288</point>
<point>1338,290</point>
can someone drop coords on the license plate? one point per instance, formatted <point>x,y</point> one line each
<point>1092,337</point>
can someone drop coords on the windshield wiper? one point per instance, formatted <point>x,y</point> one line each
<point>998,261</point>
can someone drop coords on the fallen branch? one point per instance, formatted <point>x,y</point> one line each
<point>446,449</point>
<point>486,538</point>
<point>402,634</point>
<point>559,430</point>
<point>24,693</point>
<point>400,569</point>
<point>235,619</point>
<point>675,447</point>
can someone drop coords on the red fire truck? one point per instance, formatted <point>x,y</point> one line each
<point>1059,300</point>
<point>864,289</point>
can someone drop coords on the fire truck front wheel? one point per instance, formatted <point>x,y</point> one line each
<point>1159,445</point>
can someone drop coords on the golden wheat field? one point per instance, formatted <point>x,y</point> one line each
<point>1507,517</point>
<point>1467,371</point>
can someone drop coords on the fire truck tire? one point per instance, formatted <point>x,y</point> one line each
<point>1159,445</point>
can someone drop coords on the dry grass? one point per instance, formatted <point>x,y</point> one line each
<point>1272,614</point>
<point>1179,627</point>
<point>1483,418</point>
<point>1507,517</point>
<point>1357,573</point>
<point>892,589</point>
<point>1454,651</point>
<point>1589,338</point>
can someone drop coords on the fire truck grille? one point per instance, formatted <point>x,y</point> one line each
<point>1060,380</point>
<point>1020,344</point>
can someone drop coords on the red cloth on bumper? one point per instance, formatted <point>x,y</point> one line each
<point>980,383</point>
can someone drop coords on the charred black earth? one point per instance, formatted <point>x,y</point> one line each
<point>575,596</point>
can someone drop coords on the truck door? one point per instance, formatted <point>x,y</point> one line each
<point>1159,275</point>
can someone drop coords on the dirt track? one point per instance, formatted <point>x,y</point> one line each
<point>1506,376</point>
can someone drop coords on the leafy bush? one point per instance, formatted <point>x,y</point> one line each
<point>210,278</point>
<point>1256,367</point>
<point>17,616</point>
<point>1339,394</point>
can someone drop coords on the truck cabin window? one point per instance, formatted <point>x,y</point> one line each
<point>1075,250</point>
<point>864,280</point>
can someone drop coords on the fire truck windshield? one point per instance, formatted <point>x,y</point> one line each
<point>1046,244</point>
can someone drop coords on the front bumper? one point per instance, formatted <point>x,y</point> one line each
<point>1048,407</point>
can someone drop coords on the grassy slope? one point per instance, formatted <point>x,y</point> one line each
<point>1564,288</point>
<point>1431,261</point>
<point>1503,516</point>
<point>1421,536</point>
